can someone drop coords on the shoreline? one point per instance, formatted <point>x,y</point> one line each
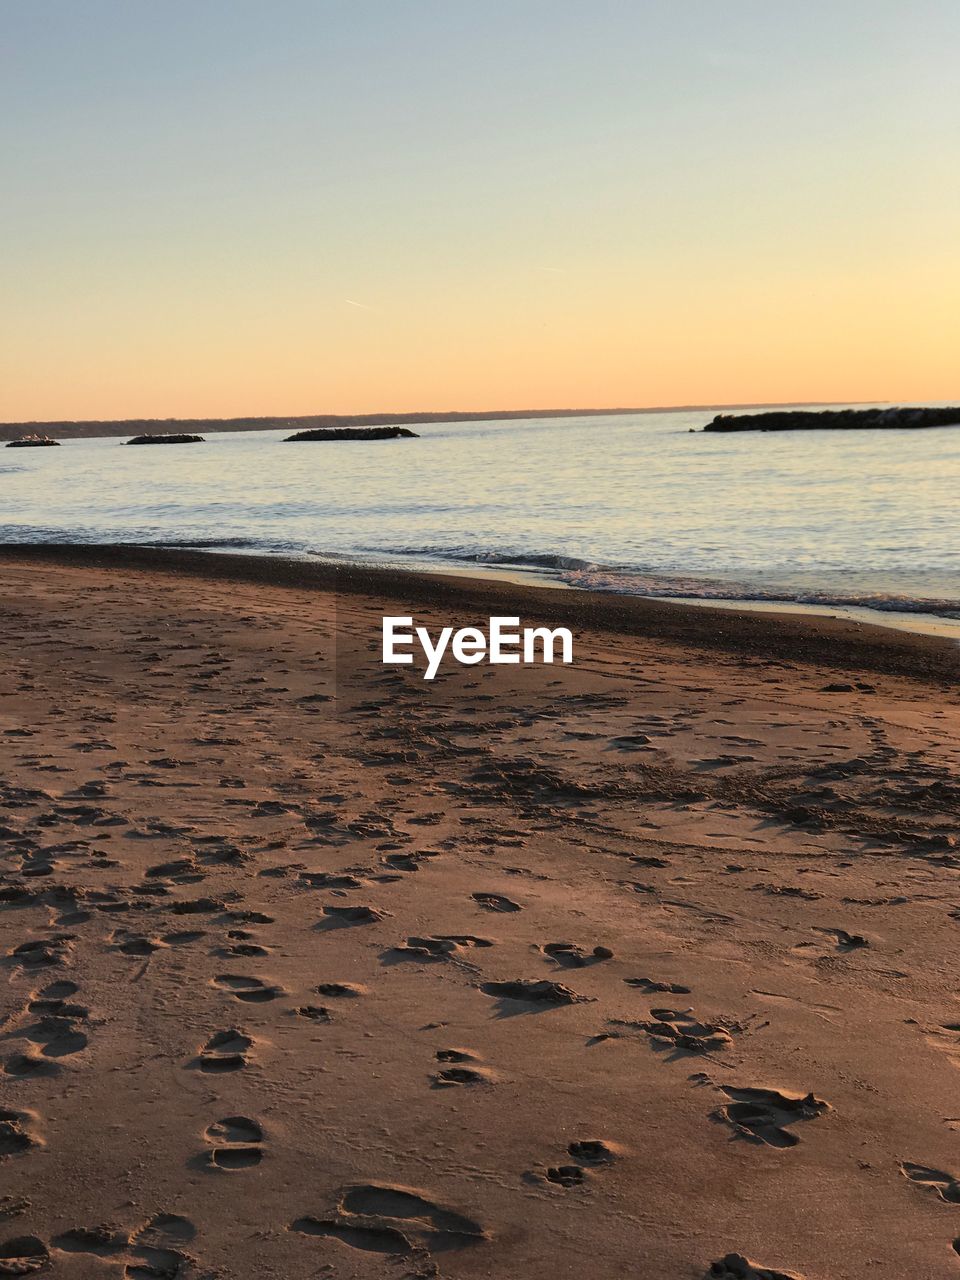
<point>96,428</point>
<point>771,633</point>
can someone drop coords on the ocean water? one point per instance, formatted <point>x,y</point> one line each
<point>636,504</point>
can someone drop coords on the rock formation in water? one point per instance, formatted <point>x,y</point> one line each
<point>168,439</point>
<point>836,420</point>
<point>32,442</point>
<point>352,433</point>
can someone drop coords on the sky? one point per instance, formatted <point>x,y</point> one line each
<point>232,207</point>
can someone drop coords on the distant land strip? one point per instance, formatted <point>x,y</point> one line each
<point>69,430</point>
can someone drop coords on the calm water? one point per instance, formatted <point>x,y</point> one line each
<point>633,504</point>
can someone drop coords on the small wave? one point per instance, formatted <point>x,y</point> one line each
<point>660,586</point>
<point>505,559</point>
<point>588,575</point>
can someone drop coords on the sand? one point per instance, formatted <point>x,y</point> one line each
<point>621,969</point>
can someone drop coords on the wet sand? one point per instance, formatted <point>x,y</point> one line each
<point>309,968</point>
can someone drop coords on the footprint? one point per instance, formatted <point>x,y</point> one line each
<point>566,1175</point>
<point>316,1012</point>
<point>445,1228</point>
<point>592,1151</point>
<point>23,1255</point>
<point>340,990</point>
<point>16,1136</point>
<point>225,1051</point>
<point>166,1229</point>
<point>570,956</point>
<point>455,1075</point>
<point>423,949</point>
<point>250,990</point>
<point>495,902</point>
<point>463,1069</point>
<point>946,1185</point>
<point>136,944</point>
<point>44,953</point>
<point>762,1115</point>
<point>436,947</point>
<point>684,1032</point>
<point>530,992</point>
<point>241,1139</point>
<point>147,1253</point>
<point>102,1241</point>
<point>372,1239</point>
<point>736,1267</point>
<point>845,941</point>
<point>29,1064</point>
<point>59,1036</point>
<point>328,880</point>
<point>351,915</point>
<point>393,1220</point>
<point>650,987</point>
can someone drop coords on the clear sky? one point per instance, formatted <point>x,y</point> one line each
<point>223,207</point>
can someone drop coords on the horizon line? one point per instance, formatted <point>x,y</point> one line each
<point>439,415</point>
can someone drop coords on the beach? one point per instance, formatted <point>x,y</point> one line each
<point>642,966</point>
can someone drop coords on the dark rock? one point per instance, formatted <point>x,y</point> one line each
<point>166,439</point>
<point>836,420</point>
<point>352,433</point>
<point>32,442</point>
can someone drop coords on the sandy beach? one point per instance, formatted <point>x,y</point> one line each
<point>639,967</point>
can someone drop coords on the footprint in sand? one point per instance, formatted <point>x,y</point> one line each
<point>29,1064</point>
<point>946,1185</point>
<point>245,950</point>
<point>495,902</point>
<point>736,1267</point>
<point>593,1151</point>
<point>763,1115</point>
<point>224,1051</point>
<point>460,1067</point>
<point>682,1031</point>
<point>135,944</point>
<point>540,994</point>
<point>41,954</point>
<point>23,1255</point>
<point>315,1012</point>
<point>569,956</point>
<point>16,1133</point>
<point>437,947</point>
<point>338,916</point>
<point>235,1144</point>
<point>845,941</point>
<point>340,990</point>
<point>390,1219</point>
<point>147,1252</point>
<point>58,1036</point>
<point>249,990</point>
<point>590,1152</point>
<point>650,987</point>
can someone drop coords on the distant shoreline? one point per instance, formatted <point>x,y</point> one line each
<point>86,429</point>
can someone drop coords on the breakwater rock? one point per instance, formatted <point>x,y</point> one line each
<point>168,439</point>
<point>352,433</point>
<point>887,419</point>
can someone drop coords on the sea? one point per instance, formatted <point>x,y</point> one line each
<point>861,524</point>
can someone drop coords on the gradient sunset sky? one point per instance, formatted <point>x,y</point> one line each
<point>227,207</point>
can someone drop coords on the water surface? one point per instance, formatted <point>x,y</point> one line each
<point>635,504</point>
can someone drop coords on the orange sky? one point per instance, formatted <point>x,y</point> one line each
<point>215,214</point>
